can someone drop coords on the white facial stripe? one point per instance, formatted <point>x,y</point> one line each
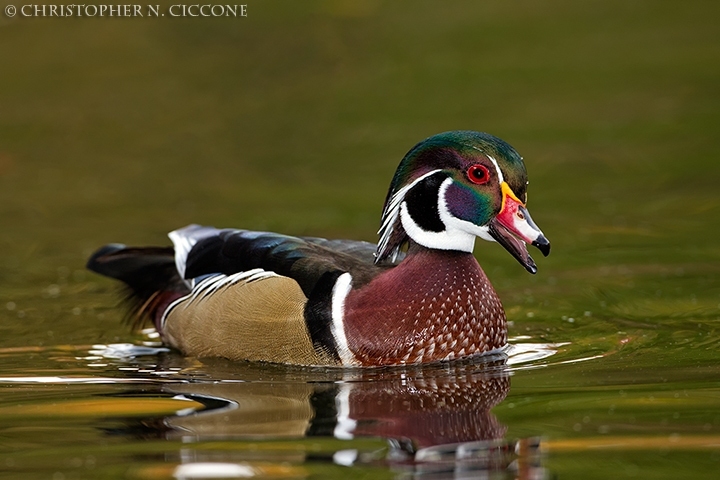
<point>501,178</point>
<point>393,210</point>
<point>458,234</point>
<point>452,222</point>
<point>340,291</point>
<point>448,239</point>
<point>497,168</point>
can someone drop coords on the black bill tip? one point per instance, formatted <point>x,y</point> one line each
<point>542,244</point>
<point>530,266</point>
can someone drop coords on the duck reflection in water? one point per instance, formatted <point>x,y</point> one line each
<point>435,417</point>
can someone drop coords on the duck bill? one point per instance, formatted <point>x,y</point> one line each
<point>513,228</point>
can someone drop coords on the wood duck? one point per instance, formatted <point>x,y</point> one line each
<point>417,296</point>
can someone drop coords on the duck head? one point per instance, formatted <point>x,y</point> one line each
<point>453,187</point>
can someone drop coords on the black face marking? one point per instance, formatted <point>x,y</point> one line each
<point>318,315</point>
<point>422,203</point>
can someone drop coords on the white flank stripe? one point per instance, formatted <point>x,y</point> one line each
<point>339,293</point>
<point>210,285</point>
<point>168,310</point>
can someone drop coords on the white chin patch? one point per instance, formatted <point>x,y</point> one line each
<point>458,234</point>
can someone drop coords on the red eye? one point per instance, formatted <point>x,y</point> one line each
<point>478,174</point>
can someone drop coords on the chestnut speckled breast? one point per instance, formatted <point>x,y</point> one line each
<point>418,295</point>
<point>443,307</point>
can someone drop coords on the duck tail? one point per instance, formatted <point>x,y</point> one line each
<point>149,274</point>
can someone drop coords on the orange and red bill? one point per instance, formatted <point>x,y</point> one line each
<point>513,228</point>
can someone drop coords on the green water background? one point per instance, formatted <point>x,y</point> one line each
<point>294,118</point>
